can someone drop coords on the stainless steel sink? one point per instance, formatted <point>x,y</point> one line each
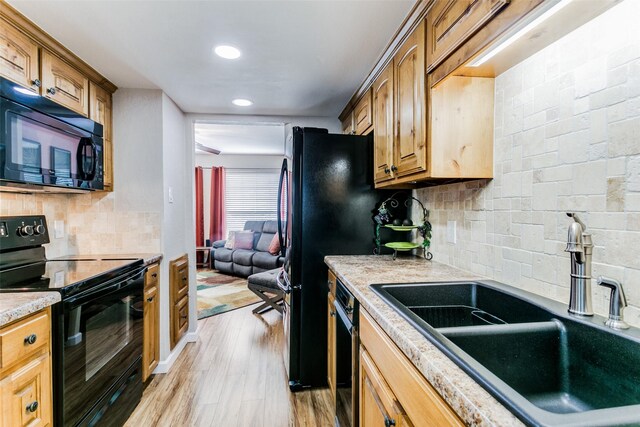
<point>548,367</point>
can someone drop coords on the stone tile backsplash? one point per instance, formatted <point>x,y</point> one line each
<point>567,138</point>
<point>93,224</point>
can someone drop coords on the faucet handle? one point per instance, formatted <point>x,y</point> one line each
<point>574,216</point>
<point>617,303</point>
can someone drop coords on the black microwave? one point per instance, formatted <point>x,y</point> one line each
<point>45,146</point>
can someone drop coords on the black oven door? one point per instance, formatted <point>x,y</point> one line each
<point>37,148</point>
<point>102,340</point>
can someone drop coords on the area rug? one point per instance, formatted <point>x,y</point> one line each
<point>219,293</point>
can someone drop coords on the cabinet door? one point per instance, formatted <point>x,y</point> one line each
<point>180,320</point>
<point>383,124</point>
<point>451,22</point>
<point>151,345</point>
<point>331,342</point>
<point>363,115</point>
<point>100,110</point>
<point>64,84</point>
<point>19,57</point>
<point>348,125</point>
<point>410,151</point>
<point>378,405</point>
<point>26,394</point>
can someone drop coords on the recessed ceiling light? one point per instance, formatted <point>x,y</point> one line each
<point>242,102</point>
<point>227,52</point>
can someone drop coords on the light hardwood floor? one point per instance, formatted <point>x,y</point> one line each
<point>233,375</point>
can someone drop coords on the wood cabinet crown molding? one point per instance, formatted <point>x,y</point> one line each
<point>416,15</point>
<point>15,18</point>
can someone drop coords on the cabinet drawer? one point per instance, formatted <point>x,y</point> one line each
<point>363,114</point>
<point>179,277</point>
<point>452,22</point>
<point>26,394</point>
<point>152,276</point>
<point>24,338</point>
<point>331,283</point>
<point>422,403</point>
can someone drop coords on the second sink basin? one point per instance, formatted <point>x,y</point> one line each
<point>461,304</point>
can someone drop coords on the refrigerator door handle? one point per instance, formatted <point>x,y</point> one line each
<point>283,183</point>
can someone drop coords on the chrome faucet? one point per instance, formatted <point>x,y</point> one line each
<point>580,246</point>
<point>617,303</point>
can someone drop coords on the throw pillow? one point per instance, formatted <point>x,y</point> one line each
<point>274,246</point>
<point>229,243</point>
<point>243,240</point>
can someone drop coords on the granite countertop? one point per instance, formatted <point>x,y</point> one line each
<point>16,305</point>
<point>473,404</point>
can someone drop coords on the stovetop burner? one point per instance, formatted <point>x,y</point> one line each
<point>24,267</point>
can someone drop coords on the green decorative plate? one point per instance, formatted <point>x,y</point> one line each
<point>401,227</point>
<point>402,246</point>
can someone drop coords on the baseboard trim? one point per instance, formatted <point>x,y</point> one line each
<point>164,366</point>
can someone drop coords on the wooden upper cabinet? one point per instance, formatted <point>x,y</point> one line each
<point>383,124</point>
<point>100,108</point>
<point>363,115</point>
<point>19,57</point>
<point>410,151</point>
<point>452,22</point>
<point>64,84</point>
<point>348,127</point>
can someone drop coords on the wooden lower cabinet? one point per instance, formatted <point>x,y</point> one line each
<point>179,298</point>
<point>25,372</point>
<point>391,387</point>
<point>378,404</point>
<point>331,342</point>
<point>151,336</point>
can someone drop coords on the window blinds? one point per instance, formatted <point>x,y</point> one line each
<point>250,195</point>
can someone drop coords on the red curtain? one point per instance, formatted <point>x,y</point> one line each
<point>216,231</point>
<point>199,208</point>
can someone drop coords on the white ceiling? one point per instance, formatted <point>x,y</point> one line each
<point>303,58</point>
<point>262,139</point>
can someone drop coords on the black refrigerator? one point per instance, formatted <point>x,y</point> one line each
<point>326,206</point>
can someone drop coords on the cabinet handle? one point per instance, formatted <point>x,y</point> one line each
<point>32,407</point>
<point>387,171</point>
<point>51,91</point>
<point>393,168</point>
<point>36,82</point>
<point>332,313</point>
<point>183,317</point>
<point>31,339</point>
<point>150,299</point>
<point>184,279</point>
<point>154,275</point>
<point>388,422</point>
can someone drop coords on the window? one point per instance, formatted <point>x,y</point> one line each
<point>250,195</point>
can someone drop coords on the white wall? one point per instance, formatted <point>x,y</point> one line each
<point>177,237</point>
<point>137,165</point>
<point>567,138</point>
<point>330,123</point>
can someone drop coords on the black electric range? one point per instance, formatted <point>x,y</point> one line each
<point>96,328</point>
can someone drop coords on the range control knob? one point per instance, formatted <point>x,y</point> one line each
<point>26,230</point>
<point>39,229</point>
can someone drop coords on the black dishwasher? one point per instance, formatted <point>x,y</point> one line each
<point>347,345</point>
